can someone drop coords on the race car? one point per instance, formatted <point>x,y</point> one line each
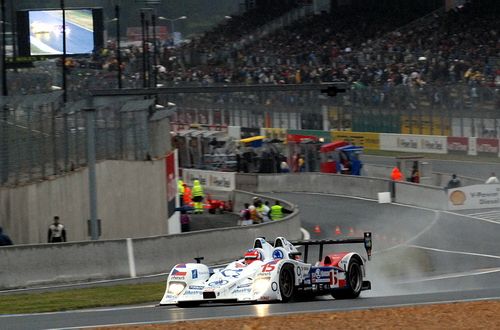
<point>271,272</point>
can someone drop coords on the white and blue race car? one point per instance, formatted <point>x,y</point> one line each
<point>271,272</point>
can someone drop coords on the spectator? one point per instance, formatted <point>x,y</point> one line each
<point>454,182</point>
<point>301,164</point>
<point>278,211</point>
<point>415,175</point>
<point>4,239</point>
<point>492,179</point>
<point>57,232</point>
<point>185,221</point>
<point>245,216</point>
<point>284,168</point>
<point>198,196</point>
<point>265,210</point>
<point>180,190</point>
<point>396,174</point>
<point>187,195</point>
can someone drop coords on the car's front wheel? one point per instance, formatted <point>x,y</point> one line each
<point>287,282</point>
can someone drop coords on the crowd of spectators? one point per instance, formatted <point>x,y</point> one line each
<point>366,48</point>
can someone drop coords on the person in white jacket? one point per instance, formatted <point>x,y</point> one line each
<point>492,179</point>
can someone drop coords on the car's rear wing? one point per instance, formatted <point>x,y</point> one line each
<point>366,240</point>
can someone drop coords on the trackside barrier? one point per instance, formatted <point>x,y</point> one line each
<point>438,179</point>
<point>34,265</point>
<point>358,186</point>
<point>323,183</point>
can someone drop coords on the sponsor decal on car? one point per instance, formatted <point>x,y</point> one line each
<point>196,287</point>
<point>278,254</point>
<point>242,290</point>
<point>320,275</point>
<point>176,272</point>
<point>194,273</point>
<point>177,278</point>
<point>245,285</point>
<point>231,272</point>
<point>217,283</point>
<point>192,292</point>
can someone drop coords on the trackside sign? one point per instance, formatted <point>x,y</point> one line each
<point>479,196</point>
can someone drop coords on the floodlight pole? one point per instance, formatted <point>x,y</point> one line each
<point>65,94</point>
<point>4,44</point>
<point>4,165</point>
<point>143,52</point>
<point>118,48</point>
<point>155,52</point>
<point>146,51</point>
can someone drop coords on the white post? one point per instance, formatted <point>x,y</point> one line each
<point>131,259</point>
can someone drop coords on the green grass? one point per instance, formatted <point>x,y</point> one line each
<point>459,157</point>
<point>82,298</point>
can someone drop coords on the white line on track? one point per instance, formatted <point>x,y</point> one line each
<point>455,252</point>
<point>483,213</point>
<point>454,275</point>
<point>78,311</point>
<point>472,217</point>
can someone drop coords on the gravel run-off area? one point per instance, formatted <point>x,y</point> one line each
<point>463,315</point>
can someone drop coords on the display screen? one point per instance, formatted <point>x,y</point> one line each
<point>41,31</point>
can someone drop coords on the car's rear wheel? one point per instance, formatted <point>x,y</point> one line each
<point>354,278</point>
<point>287,282</point>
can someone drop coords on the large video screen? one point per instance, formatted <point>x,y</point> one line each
<point>41,31</point>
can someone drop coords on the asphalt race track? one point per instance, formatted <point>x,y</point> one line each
<point>420,256</point>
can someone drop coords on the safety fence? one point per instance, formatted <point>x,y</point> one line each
<point>454,110</point>
<point>42,136</point>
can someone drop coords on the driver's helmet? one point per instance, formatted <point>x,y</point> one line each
<point>252,255</point>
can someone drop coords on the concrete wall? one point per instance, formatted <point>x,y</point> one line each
<point>421,195</point>
<point>30,265</point>
<point>438,179</point>
<point>325,183</point>
<point>131,203</point>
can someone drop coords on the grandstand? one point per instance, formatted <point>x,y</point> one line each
<point>412,67</point>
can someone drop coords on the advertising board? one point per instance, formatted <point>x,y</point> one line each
<point>210,179</point>
<point>413,143</point>
<point>458,145</point>
<point>477,196</point>
<point>367,140</point>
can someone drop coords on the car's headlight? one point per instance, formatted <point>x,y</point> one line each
<point>176,288</point>
<point>260,284</point>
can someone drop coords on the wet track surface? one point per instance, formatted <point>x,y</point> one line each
<point>420,256</point>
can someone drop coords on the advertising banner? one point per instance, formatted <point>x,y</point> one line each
<point>413,143</point>
<point>171,183</point>
<point>210,179</point>
<point>368,140</point>
<point>477,196</point>
<point>458,145</point>
<point>487,147</point>
<point>428,125</point>
<point>274,133</point>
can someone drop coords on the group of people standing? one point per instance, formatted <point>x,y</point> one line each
<point>194,195</point>
<point>260,212</point>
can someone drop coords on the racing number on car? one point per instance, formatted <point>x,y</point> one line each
<point>268,268</point>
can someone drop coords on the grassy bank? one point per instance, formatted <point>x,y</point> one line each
<point>82,298</point>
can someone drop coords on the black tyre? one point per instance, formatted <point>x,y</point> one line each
<point>354,278</point>
<point>287,282</point>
